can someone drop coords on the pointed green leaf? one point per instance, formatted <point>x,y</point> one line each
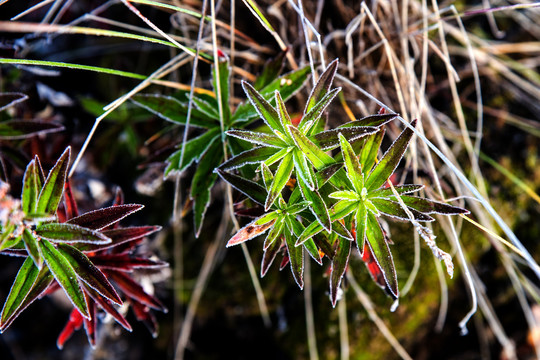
<point>23,129</point>
<point>376,120</point>
<point>249,188</point>
<point>400,189</point>
<point>381,253</point>
<point>339,266</point>
<point>390,160</point>
<point>317,205</point>
<point>323,85</point>
<point>172,110</point>
<point>19,291</point>
<point>428,206</point>
<point>316,156</point>
<point>277,156</point>
<point>31,245</point>
<point>283,114</point>
<point>31,187</point>
<point>316,112</point>
<point>303,170</point>
<point>210,109</point>
<point>258,138</point>
<point>269,255</point>
<point>64,232</point>
<point>274,233</point>
<point>270,71</point>
<point>296,254</point>
<point>202,182</point>
<point>263,107</point>
<point>53,188</point>
<point>393,209</point>
<point>311,230</point>
<point>342,208</point>
<point>360,226</point>
<point>354,170</point>
<point>252,156</point>
<point>368,153</point>
<point>282,176</point>
<point>345,195</point>
<point>65,275</point>
<point>194,149</point>
<point>328,140</point>
<point>89,273</point>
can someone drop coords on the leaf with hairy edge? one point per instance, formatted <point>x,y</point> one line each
<point>368,154</point>
<point>287,85</point>
<point>303,170</point>
<point>394,209</point>
<point>342,208</point>
<point>53,188</point>
<point>282,176</point>
<point>381,253</point>
<point>269,255</point>
<point>9,99</point>
<point>283,114</point>
<point>194,149</point>
<point>90,325</point>
<point>354,169</point>
<point>252,156</point>
<point>427,206</point>
<point>400,189</point>
<point>264,108</point>
<point>65,275</point>
<point>318,206</point>
<point>89,273</point>
<point>108,307</point>
<point>274,233</point>
<point>31,245</point>
<point>316,112</point>
<point>311,230</point>
<point>119,236</point>
<point>209,108</point>
<point>390,160</point>
<point>371,120</point>
<point>64,232</point>
<point>42,281</point>
<point>203,180</point>
<point>23,129</point>
<point>278,156</point>
<point>135,291</point>
<point>19,291</point>
<point>249,188</point>
<point>125,262</point>
<point>296,255</point>
<point>360,226</point>
<point>249,231</point>
<point>309,244</point>
<point>339,266</point>
<point>172,110</point>
<point>316,156</point>
<point>31,187</point>
<point>100,219</point>
<point>329,140</point>
<point>258,138</point>
<point>323,85</point>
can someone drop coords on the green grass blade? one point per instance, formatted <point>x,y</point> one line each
<point>283,174</point>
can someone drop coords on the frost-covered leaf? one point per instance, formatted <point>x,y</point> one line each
<point>252,156</point>
<point>249,188</point>
<point>250,231</point>
<point>258,138</point>
<point>9,99</point>
<point>23,129</point>
<point>53,188</point>
<point>64,232</point>
<point>194,149</point>
<point>322,87</point>
<point>339,266</point>
<point>100,219</point>
<point>328,140</point>
<point>281,177</point>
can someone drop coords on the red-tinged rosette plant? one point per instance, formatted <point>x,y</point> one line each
<point>84,255</point>
<point>335,200</point>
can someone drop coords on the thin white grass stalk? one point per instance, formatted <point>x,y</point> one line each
<point>343,329</point>
<point>390,55</point>
<point>368,305</point>
<point>51,11</point>
<point>134,10</point>
<point>62,11</point>
<point>494,324</point>
<point>111,107</point>
<point>300,11</point>
<point>416,266</point>
<point>310,320</point>
<point>349,30</point>
<point>31,9</point>
<point>462,178</point>
<point>200,285</point>
<point>258,290</point>
<point>443,307</point>
<point>491,20</point>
